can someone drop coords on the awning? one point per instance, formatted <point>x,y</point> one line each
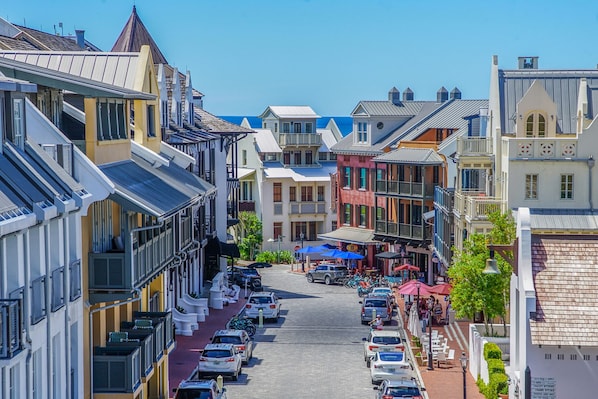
<point>229,250</point>
<point>428,215</point>
<point>352,235</point>
<point>389,255</point>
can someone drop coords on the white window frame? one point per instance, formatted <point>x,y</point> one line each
<point>531,186</point>
<point>362,132</point>
<point>567,186</point>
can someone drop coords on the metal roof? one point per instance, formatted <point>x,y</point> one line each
<point>328,139</point>
<point>294,111</point>
<point>561,85</point>
<point>420,156</point>
<point>559,220</point>
<point>277,171</point>
<point>387,108</point>
<point>266,142</point>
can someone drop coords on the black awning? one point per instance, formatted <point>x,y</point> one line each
<point>229,250</point>
<point>389,255</point>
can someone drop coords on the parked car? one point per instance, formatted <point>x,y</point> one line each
<point>404,388</point>
<point>267,301</point>
<point>381,341</point>
<point>243,275</point>
<point>389,366</point>
<point>378,305</point>
<point>328,273</point>
<point>199,389</point>
<point>219,359</point>
<point>259,265</point>
<point>381,291</point>
<point>239,338</point>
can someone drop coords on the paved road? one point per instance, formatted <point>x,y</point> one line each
<point>313,351</point>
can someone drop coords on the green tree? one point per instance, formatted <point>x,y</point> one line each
<point>473,291</point>
<point>250,227</point>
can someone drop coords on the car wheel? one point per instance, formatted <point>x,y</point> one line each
<point>374,382</point>
<point>310,278</point>
<point>328,280</point>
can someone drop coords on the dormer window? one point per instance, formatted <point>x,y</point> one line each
<point>362,132</point>
<point>535,125</point>
<point>286,127</point>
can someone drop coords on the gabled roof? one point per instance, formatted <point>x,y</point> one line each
<point>295,111</point>
<point>561,85</point>
<point>387,108</point>
<point>213,124</point>
<point>265,142</point>
<point>419,156</point>
<point>134,35</point>
<point>565,272</point>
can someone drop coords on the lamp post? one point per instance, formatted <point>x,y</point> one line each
<point>430,357</point>
<point>302,237</point>
<point>463,360</point>
<point>417,299</point>
<point>278,253</point>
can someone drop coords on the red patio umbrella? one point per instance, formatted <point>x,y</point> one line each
<point>406,266</point>
<point>441,289</point>
<point>410,288</point>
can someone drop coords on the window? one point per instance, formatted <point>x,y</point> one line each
<point>277,192</point>
<point>347,215</point>
<point>435,174</point>
<point>334,225</point>
<point>362,132</point>
<point>309,158</point>
<point>286,127</point>
<point>308,127</point>
<point>297,157</point>
<point>347,177</point>
<point>380,214</point>
<point>18,118</point>
<point>321,193</point>
<point>297,127</point>
<point>164,115</point>
<point>151,121</point>
<point>244,157</point>
<point>13,382</point>
<point>277,228</point>
<point>363,178</point>
<point>111,120</point>
<point>307,194</point>
<point>322,156</point>
<point>535,125</point>
<point>363,215</point>
<point>56,365</point>
<point>276,127</point>
<point>566,186</point>
<point>286,158</point>
<point>332,156</point>
<point>531,186</point>
<point>247,191</point>
<point>292,194</point>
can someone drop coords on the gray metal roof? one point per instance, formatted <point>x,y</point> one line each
<point>563,220</point>
<point>143,190</point>
<point>420,156</point>
<point>387,108</point>
<point>561,85</point>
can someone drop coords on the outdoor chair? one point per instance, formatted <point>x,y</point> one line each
<point>450,357</point>
<point>440,357</point>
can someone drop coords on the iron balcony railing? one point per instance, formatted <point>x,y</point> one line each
<point>10,328</point>
<point>408,231</point>
<point>444,198</point>
<point>406,188</point>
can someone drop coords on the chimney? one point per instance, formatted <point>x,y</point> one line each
<point>455,94</point>
<point>80,34</point>
<point>528,62</point>
<point>442,95</point>
<point>408,95</point>
<point>394,96</point>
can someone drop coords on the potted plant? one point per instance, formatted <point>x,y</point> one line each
<point>180,309</point>
<point>194,295</point>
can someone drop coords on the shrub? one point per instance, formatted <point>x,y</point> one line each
<point>492,351</point>
<point>266,256</point>
<point>495,366</point>
<point>497,379</point>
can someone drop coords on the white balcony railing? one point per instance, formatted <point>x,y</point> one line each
<point>540,148</point>
<point>285,139</point>
<point>476,205</point>
<point>474,146</point>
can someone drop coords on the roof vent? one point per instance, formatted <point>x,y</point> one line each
<point>528,62</point>
<point>394,96</point>
<point>442,95</point>
<point>408,95</point>
<point>455,94</point>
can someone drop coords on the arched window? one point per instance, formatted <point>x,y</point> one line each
<point>541,126</point>
<point>529,126</point>
<point>535,125</point>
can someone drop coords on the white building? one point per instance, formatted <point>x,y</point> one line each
<point>285,173</point>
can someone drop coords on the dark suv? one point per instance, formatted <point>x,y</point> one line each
<point>328,273</point>
<point>240,275</point>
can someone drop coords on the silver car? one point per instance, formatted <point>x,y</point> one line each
<point>239,338</point>
<point>372,306</point>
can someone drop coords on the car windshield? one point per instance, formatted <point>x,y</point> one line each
<point>216,353</point>
<point>391,356</point>
<point>403,391</point>
<point>376,304</point>
<point>226,340</point>
<point>386,340</point>
<point>381,291</point>
<point>260,299</point>
<point>194,393</point>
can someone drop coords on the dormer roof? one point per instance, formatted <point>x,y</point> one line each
<point>284,111</point>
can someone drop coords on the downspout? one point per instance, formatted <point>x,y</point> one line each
<point>591,163</point>
<point>48,303</point>
<point>134,299</point>
<point>27,316</point>
<point>67,315</point>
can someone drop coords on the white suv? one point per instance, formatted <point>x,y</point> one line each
<point>219,359</point>
<point>267,301</point>
<point>239,338</point>
<point>381,341</point>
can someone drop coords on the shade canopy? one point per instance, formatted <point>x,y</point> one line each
<point>406,266</point>
<point>389,255</point>
<point>335,253</point>
<point>441,289</point>
<point>311,250</point>
<point>411,288</point>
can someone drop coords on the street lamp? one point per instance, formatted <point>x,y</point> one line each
<point>463,360</point>
<point>302,237</point>
<point>280,237</point>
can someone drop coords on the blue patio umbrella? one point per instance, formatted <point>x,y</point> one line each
<point>335,253</point>
<point>310,250</point>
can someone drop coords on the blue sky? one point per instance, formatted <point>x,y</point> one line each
<point>247,54</point>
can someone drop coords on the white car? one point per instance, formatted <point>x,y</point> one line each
<point>239,338</point>
<point>267,301</point>
<point>381,341</point>
<point>389,366</point>
<point>219,359</point>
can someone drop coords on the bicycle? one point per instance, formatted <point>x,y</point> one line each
<point>238,323</point>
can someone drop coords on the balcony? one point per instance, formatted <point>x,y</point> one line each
<point>111,276</point>
<point>163,325</point>
<point>444,198</point>
<point>402,230</point>
<point>10,328</point>
<point>405,188</point>
<point>526,148</point>
<point>473,205</point>
<point>117,370</point>
<point>302,208</point>
<point>246,206</point>
<point>474,146</point>
<point>145,343</point>
<point>297,139</point>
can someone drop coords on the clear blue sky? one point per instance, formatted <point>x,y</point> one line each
<point>247,54</point>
